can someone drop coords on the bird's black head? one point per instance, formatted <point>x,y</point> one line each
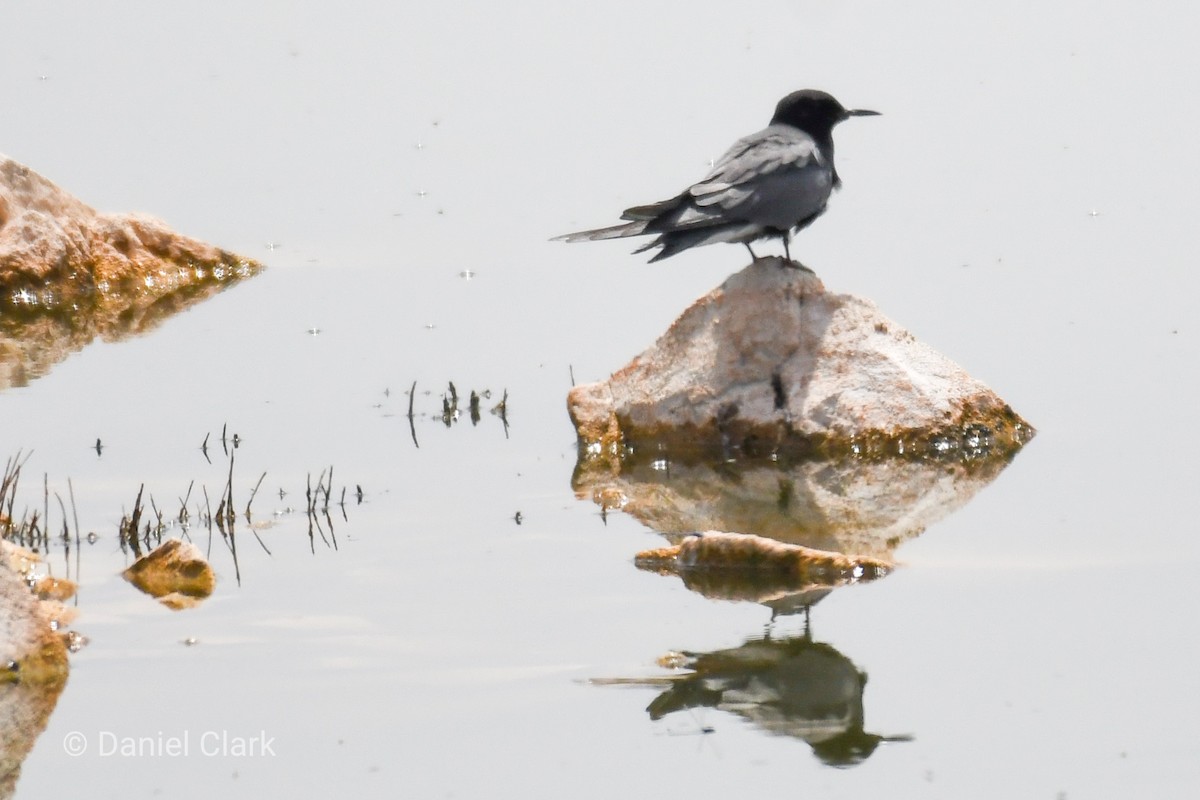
<point>814,112</point>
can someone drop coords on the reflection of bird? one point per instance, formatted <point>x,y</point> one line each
<point>769,184</point>
<point>787,687</point>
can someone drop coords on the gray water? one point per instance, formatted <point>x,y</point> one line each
<point>1023,206</point>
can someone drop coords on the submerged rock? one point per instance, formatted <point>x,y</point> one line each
<point>736,566</point>
<point>69,274</point>
<point>770,364</point>
<point>175,573</point>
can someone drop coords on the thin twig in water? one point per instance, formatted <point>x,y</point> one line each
<point>78,546</point>
<point>229,491</point>
<point>209,521</point>
<point>46,510</point>
<point>249,522</point>
<point>183,512</point>
<point>66,534</point>
<point>251,500</point>
<point>342,505</point>
<point>33,532</point>
<point>313,518</point>
<point>159,527</point>
<point>74,512</point>
<point>8,484</point>
<point>312,503</point>
<point>261,543</point>
<point>412,428</point>
<point>231,541</point>
<point>332,533</point>
<point>502,409</point>
<point>135,518</point>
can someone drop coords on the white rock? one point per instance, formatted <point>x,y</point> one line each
<point>771,363</point>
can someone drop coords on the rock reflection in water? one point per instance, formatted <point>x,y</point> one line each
<point>25,710</point>
<point>850,506</point>
<point>803,529</point>
<point>738,566</point>
<point>34,338</point>
<point>175,573</point>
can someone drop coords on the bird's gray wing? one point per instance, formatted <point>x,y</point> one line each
<point>769,178</point>
<point>756,160</point>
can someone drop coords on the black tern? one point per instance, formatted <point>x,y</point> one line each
<point>769,184</point>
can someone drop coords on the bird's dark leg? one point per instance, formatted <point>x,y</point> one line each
<point>787,251</point>
<point>752,256</point>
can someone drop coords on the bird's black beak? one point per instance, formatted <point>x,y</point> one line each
<point>862,112</point>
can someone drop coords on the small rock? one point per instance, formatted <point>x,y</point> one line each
<point>175,573</point>
<point>738,566</point>
<point>59,589</point>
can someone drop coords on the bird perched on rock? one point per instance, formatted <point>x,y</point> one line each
<point>769,184</point>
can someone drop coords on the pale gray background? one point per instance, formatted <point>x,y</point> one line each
<point>1025,205</point>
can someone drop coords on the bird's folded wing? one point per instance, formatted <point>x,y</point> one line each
<point>732,179</point>
<point>763,164</point>
<point>752,160</point>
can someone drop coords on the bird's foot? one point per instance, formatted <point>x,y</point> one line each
<point>790,264</point>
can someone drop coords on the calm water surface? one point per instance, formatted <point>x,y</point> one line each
<point>1022,205</point>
